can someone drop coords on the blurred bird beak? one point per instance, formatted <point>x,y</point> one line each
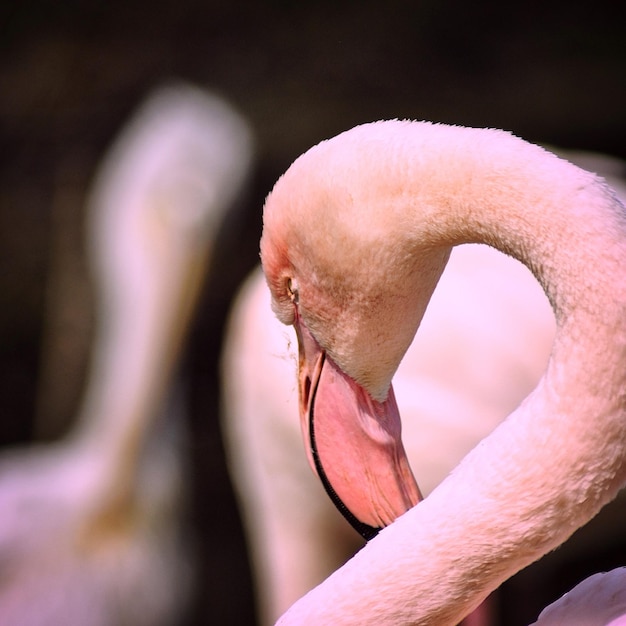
<point>353,441</point>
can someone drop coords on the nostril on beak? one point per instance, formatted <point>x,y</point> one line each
<point>306,391</point>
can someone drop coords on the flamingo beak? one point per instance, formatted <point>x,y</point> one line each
<point>353,441</point>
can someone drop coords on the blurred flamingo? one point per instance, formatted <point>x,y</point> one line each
<point>91,528</point>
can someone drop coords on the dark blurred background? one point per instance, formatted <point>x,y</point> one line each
<point>72,72</point>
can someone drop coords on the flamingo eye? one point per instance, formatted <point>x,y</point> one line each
<point>292,289</point>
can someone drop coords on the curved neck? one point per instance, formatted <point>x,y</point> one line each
<point>567,226</point>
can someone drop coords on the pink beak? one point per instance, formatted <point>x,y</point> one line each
<point>353,442</point>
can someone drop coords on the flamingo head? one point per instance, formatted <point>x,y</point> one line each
<point>340,271</point>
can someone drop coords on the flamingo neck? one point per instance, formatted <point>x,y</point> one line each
<point>553,464</point>
<point>143,320</point>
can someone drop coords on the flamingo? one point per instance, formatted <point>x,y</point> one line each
<point>599,600</point>
<point>356,235</point>
<point>91,527</point>
<point>483,345</point>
